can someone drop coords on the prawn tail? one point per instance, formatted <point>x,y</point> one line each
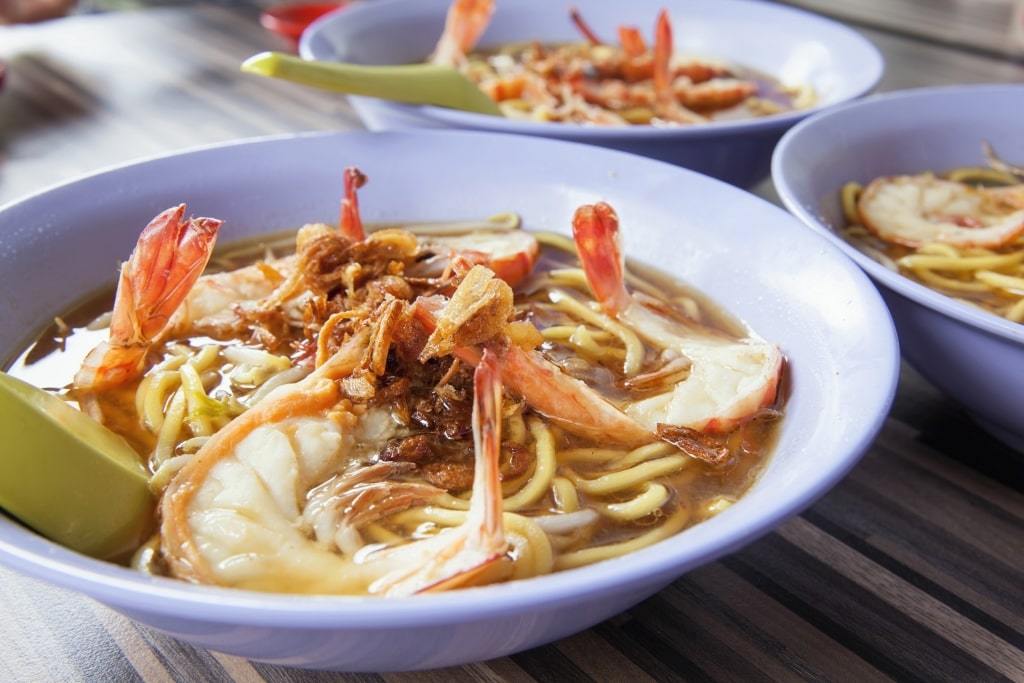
<point>465,23</point>
<point>595,229</point>
<point>581,25</point>
<point>663,58</point>
<point>351,223</point>
<point>170,255</point>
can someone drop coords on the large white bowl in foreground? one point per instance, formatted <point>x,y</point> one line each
<point>751,257</point>
<point>974,357</point>
<point>790,44</point>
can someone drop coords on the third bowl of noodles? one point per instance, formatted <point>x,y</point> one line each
<point>702,84</point>
<point>923,190</point>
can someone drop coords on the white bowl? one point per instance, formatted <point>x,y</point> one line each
<point>790,44</point>
<point>751,257</point>
<point>972,356</point>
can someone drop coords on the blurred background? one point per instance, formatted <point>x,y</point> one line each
<point>985,25</point>
<point>991,26</point>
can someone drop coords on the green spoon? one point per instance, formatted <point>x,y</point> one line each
<point>69,477</point>
<point>409,83</point>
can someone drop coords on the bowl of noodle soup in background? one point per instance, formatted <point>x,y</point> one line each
<point>794,47</point>
<point>969,353</point>
<point>750,257</point>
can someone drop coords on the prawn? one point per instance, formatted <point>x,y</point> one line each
<point>913,210</point>
<point>511,254</point>
<point>167,260</point>
<point>248,510</point>
<point>216,300</point>
<point>465,22</point>
<point>212,305</point>
<point>668,106</point>
<point>635,61</point>
<point>577,19</point>
<point>350,224</point>
<point>457,326</point>
<point>642,77</point>
<point>730,381</point>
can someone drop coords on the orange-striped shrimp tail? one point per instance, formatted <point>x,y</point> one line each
<point>168,258</point>
<point>583,27</point>
<point>595,228</point>
<point>464,24</point>
<point>663,57</point>
<point>351,223</point>
<point>476,551</point>
<point>487,394</point>
<point>632,41</point>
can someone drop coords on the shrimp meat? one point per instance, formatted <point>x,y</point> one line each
<point>255,507</point>
<point>913,210</point>
<point>730,380</point>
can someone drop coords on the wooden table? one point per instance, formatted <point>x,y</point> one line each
<point>911,569</point>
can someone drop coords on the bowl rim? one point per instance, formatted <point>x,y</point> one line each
<point>127,589</point>
<point>898,283</point>
<point>868,74</point>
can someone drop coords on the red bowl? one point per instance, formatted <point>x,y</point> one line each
<point>290,20</point>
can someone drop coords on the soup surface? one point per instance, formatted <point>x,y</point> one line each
<point>396,412</point>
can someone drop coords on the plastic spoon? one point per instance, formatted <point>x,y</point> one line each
<point>69,477</point>
<point>442,86</point>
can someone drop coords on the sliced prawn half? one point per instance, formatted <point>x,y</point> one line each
<point>730,381</point>
<point>913,210</point>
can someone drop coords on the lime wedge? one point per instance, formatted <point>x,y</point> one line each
<point>69,477</point>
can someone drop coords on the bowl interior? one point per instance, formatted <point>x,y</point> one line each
<point>749,256</point>
<point>800,47</point>
<point>895,133</point>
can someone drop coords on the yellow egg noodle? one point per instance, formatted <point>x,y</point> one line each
<point>389,412</point>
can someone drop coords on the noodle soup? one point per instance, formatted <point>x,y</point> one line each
<point>595,81</point>
<point>588,84</point>
<point>960,233</point>
<point>281,472</point>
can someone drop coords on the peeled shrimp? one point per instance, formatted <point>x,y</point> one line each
<point>248,510</point>
<point>475,321</point>
<point>213,305</point>
<point>168,259</point>
<point>729,381</point>
<point>511,254</point>
<point>913,210</point>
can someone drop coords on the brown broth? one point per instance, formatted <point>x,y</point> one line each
<point>697,488</point>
